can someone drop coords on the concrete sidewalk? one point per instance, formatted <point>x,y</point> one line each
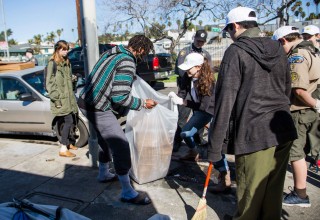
<point>36,172</point>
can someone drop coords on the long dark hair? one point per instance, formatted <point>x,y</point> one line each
<point>206,79</point>
<point>61,44</point>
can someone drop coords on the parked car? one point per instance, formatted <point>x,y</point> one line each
<point>154,67</point>
<point>151,68</point>
<point>25,106</point>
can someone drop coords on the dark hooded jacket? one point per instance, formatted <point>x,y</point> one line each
<point>252,98</point>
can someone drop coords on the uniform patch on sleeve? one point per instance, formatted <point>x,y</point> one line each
<point>182,53</point>
<point>294,76</point>
<point>296,59</point>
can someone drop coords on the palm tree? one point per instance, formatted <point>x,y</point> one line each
<point>316,2</point>
<point>179,24</point>
<point>296,13</point>
<point>51,37</point>
<point>59,31</point>
<point>37,39</point>
<point>200,23</point>
<point>30,41</point>
<point>72,30</point>
<point>12,42</point>
<point>308,5</point>
<point>2,34</point>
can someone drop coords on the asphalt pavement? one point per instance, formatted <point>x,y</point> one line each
<point>31,169</point>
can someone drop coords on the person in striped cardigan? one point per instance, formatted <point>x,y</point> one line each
<point>106,96</point>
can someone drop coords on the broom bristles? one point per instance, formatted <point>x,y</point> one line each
<point>201,212</point>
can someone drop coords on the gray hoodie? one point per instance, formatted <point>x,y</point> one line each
<point>252,98</point>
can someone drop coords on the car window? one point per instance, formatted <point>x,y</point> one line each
<point>75,55</point>
<point>36,80</point>
<point>10,89</point>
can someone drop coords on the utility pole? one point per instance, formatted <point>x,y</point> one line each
<point>5,30</point>
<point>91,55</point>
<point>285,11</point>
<point>79,22</point>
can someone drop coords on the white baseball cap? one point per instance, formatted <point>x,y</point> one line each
<point>191,60</point>
<point>283,31</point>
<point>311,29</point>
<point>239,14</point>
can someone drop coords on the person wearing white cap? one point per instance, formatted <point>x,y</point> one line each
<point>304,68</point>
<point>311,33</point>
<point>184,112</point>
<point>199,84</point>
<point>252,116</point>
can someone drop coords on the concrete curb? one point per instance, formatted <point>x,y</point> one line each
<point>170,84</point>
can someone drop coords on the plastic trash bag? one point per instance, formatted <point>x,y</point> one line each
<point>150,133</point>
<point>26,210</point>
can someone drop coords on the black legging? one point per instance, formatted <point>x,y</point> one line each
<point>68,123</point>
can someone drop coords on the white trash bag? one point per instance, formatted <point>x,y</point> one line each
<point>150,133</point>
<point>26,210</point>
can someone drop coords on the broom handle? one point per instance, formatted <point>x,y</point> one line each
<point>207,180</point>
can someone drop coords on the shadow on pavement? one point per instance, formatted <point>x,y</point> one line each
<point>74,187</point>
<point>191,175</point>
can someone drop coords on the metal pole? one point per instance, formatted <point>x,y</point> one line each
<point>79,22</point>
<point>284,2</point>
<point>5,30</point>
<point>91,56</point>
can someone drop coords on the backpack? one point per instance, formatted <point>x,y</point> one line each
<point>45,72</point>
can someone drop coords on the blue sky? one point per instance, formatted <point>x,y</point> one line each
<point>27,18</point>
<point>31,17</point>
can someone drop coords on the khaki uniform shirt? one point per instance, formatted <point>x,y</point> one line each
<point>305,71</point>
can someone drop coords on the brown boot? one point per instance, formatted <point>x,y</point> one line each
<point>72,147</point>
<point>224,186</point>
<point>66,154</point>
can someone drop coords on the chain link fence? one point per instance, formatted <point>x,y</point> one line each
<point>216,49</point>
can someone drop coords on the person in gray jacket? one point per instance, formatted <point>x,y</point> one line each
<point>252,116</point>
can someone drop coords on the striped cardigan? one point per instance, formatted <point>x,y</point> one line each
<point>110,81</point>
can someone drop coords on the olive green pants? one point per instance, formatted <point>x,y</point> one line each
<point>314,138</point>
<point>260,180</point>
<point>303,121</point>
<point>314,134</point>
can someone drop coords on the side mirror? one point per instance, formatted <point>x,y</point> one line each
<point>26,97</point>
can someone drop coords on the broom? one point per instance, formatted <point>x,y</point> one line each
<point>201,212</point>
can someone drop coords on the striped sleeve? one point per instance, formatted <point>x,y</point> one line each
<point>121,90</point>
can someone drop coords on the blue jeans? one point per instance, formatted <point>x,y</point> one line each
<point>197,121</point>
<point>221,165</point>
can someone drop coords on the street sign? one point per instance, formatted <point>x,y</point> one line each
<point>216,29</point>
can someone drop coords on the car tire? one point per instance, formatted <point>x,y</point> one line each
<point>82,134</point>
